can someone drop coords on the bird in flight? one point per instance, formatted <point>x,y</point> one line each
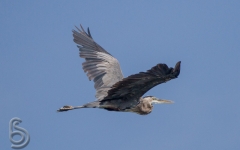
<point>113,91</point>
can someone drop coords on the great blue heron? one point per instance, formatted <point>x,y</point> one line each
<point>113,92</point>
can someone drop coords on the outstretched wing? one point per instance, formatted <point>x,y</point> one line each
<point>100,66</point>
<point>137,85</point>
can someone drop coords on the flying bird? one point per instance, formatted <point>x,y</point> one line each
<point>113,91</point>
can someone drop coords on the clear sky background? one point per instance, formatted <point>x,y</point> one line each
<point>40,71</point>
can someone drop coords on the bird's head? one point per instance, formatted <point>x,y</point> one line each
<point>155,100</point>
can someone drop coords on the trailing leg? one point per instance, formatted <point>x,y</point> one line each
<point>94,104</point>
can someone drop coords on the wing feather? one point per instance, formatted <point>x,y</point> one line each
<point>138,84</point>
<point>100,66</point>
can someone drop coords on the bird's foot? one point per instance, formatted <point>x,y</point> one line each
<point>65,108</point>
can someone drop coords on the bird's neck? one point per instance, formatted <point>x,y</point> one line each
<point>144,107</point>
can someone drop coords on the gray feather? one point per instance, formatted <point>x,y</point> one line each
<point>100,66</point>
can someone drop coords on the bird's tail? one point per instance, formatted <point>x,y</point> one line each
<point>94,104</point>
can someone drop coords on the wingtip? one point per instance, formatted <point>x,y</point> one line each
<point>77,29</point>
<point>178,64</point>
<point>89,33</point>
<point>82,28</point>
<point>177,68</point>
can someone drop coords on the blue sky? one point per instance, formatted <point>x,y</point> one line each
<point>41,71</point>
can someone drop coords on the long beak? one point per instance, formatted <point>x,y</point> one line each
<point>162,101</point>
